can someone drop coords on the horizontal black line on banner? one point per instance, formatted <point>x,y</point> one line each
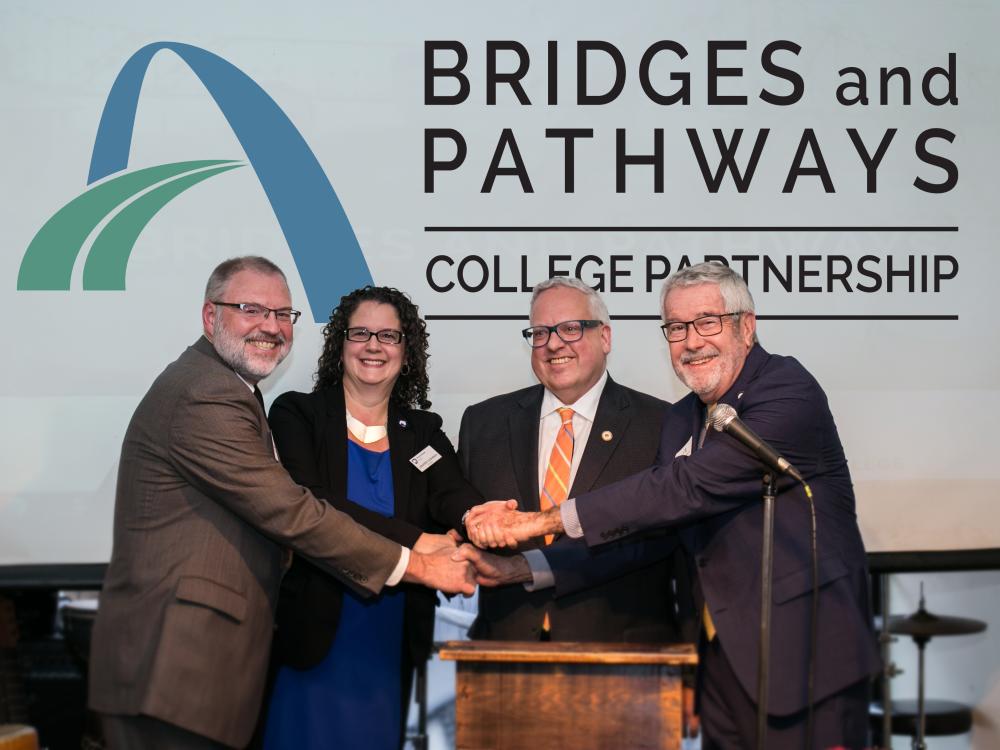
<point>679,229</point>
<point>759,317</point>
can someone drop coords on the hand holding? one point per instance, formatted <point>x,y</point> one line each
<point>488,525</point>
<point>494,570</point>
<point>438,570</point>
<point>499,524</point>
<point>428,543</point>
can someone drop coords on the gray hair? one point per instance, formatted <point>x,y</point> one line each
<point>217,282</point>
<point>598,310</point>
<point>735,294</point>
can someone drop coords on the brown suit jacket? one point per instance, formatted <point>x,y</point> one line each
<point>202,513</point>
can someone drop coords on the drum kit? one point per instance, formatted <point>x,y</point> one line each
<point>921,626</point>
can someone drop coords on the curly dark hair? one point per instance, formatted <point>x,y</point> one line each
<point>411,386</point>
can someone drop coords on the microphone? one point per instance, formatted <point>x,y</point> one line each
<point>724,419</point>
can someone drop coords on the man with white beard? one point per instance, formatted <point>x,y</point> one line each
<point>204,516</point>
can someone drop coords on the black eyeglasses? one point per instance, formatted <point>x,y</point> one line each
<point>363,335</point>
<point>707,325</point>
<point>253,310</point>
<point>568,331</point>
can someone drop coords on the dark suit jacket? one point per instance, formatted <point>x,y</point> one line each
<point>719,487</point>
<point>202,513</point>
<point>498,448</point>
<point>311,436</point>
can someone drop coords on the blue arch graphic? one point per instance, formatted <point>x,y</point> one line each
<point>322,242</point>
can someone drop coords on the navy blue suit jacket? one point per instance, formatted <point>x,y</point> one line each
<point>715,492</point>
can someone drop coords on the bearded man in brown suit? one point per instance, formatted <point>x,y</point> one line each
<point>204,515</point>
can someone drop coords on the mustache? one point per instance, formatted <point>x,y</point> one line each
<point>708,351</point>
<point>267,337</point>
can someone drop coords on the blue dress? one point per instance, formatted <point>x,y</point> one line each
<point>350,700</point>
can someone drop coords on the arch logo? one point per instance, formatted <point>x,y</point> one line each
<point>121,201</point>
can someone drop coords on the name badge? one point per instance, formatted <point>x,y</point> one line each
<point>425,459</point>
<point>686,450</point>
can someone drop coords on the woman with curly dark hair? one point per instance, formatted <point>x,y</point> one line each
<point>345,664</point>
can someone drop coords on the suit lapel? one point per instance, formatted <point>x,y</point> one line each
<point>523,434</point>
<point>751,366</point>
<point>613,415</point>
<point>699,435</point>
<point>402,447</point>
<point>754,361</point>
<point>333,443</point>
<point>205,347</point>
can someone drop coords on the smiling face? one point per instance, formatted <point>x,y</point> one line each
<point>708,365</point>
<point>568,370</point>
<point>253,347</point>
<point>373,365</point>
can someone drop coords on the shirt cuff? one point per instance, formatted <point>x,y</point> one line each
<point>541,571</point>
<point>570,520</point>
<point>397,573</point>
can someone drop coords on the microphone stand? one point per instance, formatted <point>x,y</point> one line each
<point>766,568</point>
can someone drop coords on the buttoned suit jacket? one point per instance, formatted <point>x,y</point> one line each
<point>719,489</point>
<point>203,511</point>
<point>311,436</point>
<point>631,588</point>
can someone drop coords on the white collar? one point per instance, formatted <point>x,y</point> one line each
<point>585,406</point>
<point>246,382</point>
<point>365,433</point>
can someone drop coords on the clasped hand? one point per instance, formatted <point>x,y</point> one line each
<point>435,562</point>
<point>498,523</point>
<point>456,568</point>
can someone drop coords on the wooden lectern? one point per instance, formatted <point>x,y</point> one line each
<point>512,695</point>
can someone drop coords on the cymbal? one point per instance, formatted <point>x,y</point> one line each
<point>923,624</point>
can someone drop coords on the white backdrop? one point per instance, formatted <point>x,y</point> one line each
<point>914,399</point>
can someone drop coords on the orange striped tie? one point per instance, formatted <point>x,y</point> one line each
<point>556,486</point>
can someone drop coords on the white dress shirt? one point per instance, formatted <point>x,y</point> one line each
<point>584,413</point>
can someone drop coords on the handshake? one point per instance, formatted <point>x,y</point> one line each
<point>500,524</point>
<point>441,561</point>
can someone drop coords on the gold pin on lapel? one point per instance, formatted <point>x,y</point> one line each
<point>606,436</point>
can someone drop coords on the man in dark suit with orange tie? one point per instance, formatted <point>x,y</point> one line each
<point>575,431</point>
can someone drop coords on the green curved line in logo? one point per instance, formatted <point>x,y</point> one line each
<point>48,261</point>
<point>108,257</point>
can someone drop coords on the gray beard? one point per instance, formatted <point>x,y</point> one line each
<point>233,351</point>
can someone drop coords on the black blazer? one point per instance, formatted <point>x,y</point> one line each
<point>311,438</point>
<point>498,449</point>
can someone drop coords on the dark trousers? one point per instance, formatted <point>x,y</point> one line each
<point>147,733</point>
<point>729,715</point>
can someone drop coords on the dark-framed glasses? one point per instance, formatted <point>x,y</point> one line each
<point>363,335</point>
<point>253,311</point>
<point>706,325</point>
<point>568,331</point>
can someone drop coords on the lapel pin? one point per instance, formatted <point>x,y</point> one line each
<point>739,395</point>
<point>402,423</point>
<point>606,436</point>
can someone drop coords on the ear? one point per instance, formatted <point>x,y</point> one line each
<point>208,313</point>
<point>606,338</point>
<point>748,326</point>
